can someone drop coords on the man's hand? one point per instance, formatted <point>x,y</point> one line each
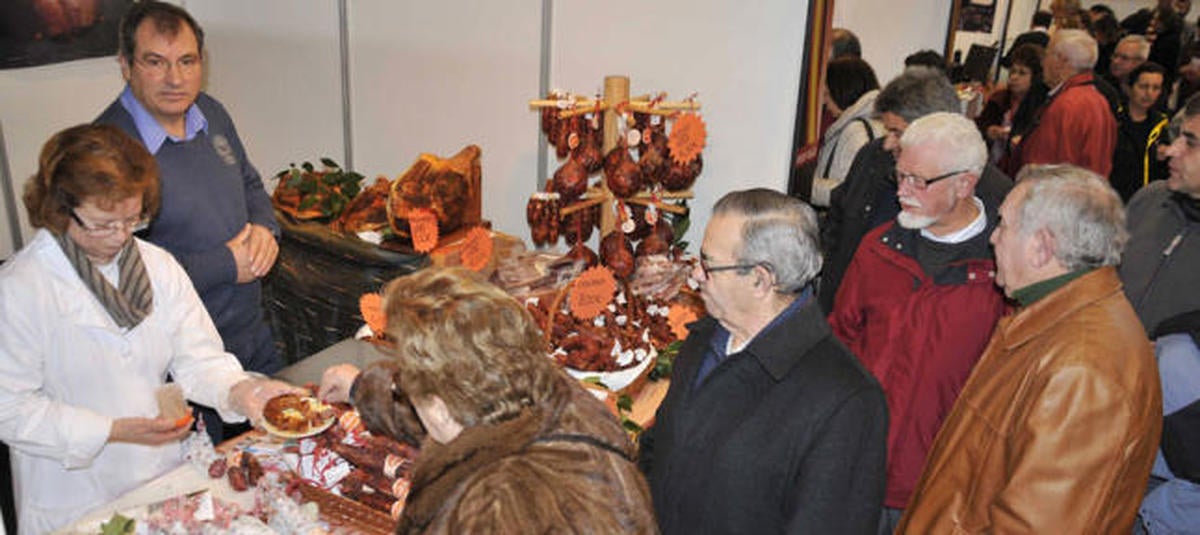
<point>147,431</point>
<point>263,250</point>
<point>249,396</point>
<point>336,382</point>
<point>242,256</point>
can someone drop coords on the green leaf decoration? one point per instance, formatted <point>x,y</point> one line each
<point>307,187</point>
<point>118,525</point>
<point>308,166</point>
<point>625,402</point>
<point>328,162</point>
<point>631,426</point>
<point>307,203</point>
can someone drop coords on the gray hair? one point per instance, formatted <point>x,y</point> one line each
<point>1080,210</point>
<point>1077,47</point>
<point>780,233</point>
<point>1143,45</point>
<point>956,136</point>
<point>916,92</point>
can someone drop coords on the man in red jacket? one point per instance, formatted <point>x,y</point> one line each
<point>1077,125</point>
<point>919,299</point>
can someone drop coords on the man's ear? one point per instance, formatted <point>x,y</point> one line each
<point>126,67</point>
<point>966,186</point>
<point>1042,247</point>
<point>764,279</point>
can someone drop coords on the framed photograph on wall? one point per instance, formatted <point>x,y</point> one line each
<point>977,16</point>
<point>40,32</point>
<point>806,136</point>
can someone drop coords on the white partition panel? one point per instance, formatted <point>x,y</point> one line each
<point>436,76</point>
<point>274,64</point>
<point>890,30</point>
<point>39,101</point>
<point>743,58</point>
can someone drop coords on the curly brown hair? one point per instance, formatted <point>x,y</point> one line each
<point>456,336</point>
<point>97,163</point>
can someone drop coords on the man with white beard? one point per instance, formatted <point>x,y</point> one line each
<point>919,300</point>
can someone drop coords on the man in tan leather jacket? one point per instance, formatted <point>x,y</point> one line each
<point>1057,427</point>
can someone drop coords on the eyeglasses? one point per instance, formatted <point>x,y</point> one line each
<point>709,269</point>
<point>133,224</point>
<point>922,183</point>
<point>159,66</point>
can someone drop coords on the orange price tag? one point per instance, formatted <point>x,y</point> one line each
<point>371,306</point>
<point>423,224</point>
<point>687,139</point>
<point>591,292</point>
<point>477,249</point>
<point>678,317</point>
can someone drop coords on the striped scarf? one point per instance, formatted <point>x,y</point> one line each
<point>127,306</point>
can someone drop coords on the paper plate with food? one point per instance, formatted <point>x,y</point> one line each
<point>293,416</point>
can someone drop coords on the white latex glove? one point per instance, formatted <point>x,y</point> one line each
<point>249,396</point>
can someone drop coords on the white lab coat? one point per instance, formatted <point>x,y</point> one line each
<point>67,371</point>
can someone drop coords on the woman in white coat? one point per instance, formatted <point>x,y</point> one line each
<point>850,90</point>
<point>93,321</point>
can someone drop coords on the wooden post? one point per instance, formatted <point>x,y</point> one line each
<point>616,91</point>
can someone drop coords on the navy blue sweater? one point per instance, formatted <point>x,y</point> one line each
<point>209,192</point>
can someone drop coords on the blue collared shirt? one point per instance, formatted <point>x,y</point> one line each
<point>153,134</point>
<point>719,342</point>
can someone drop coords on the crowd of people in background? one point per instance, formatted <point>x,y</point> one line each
<point>1012,279</point>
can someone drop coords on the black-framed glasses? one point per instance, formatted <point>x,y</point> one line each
<point>133,224</point>
<point>921,182</point>
<point>709,269</point>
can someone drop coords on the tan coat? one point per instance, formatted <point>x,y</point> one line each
<point>1057,427</point>
<point>565,466</point>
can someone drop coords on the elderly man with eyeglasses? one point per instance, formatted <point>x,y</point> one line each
<point>770,425</point>
<point>216,217</point>
<point>919,299</point>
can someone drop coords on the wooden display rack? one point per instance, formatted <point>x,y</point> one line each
<point>612,104</point>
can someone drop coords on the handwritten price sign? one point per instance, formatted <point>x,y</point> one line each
<point>477,249</point>
<point>591,292</point>
<point>423,224</point>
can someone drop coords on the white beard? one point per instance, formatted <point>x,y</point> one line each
<point>909,220</point>
<point>913,221</point>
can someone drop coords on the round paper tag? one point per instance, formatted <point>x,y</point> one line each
<point>423,224</point>
<point>477,249</point>
<point>572,140</point>
<point>633,137</point>
<point>371,307</point>
<point>678,318</point>
<point>591,292</point>
<point>687,138</point>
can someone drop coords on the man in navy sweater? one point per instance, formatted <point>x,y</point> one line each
<point>216,218</point>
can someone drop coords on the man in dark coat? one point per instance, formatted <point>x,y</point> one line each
<point>770,424</point>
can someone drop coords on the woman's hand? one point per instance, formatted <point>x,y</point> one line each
<point>336,382</point>
<point>249,396</point>
<point>147,431</point>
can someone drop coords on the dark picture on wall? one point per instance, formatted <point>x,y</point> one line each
<point>977,16</point>
<point>39,32</point>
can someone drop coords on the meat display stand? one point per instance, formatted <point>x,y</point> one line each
<point>614,103</point>
<point>311,295</point>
